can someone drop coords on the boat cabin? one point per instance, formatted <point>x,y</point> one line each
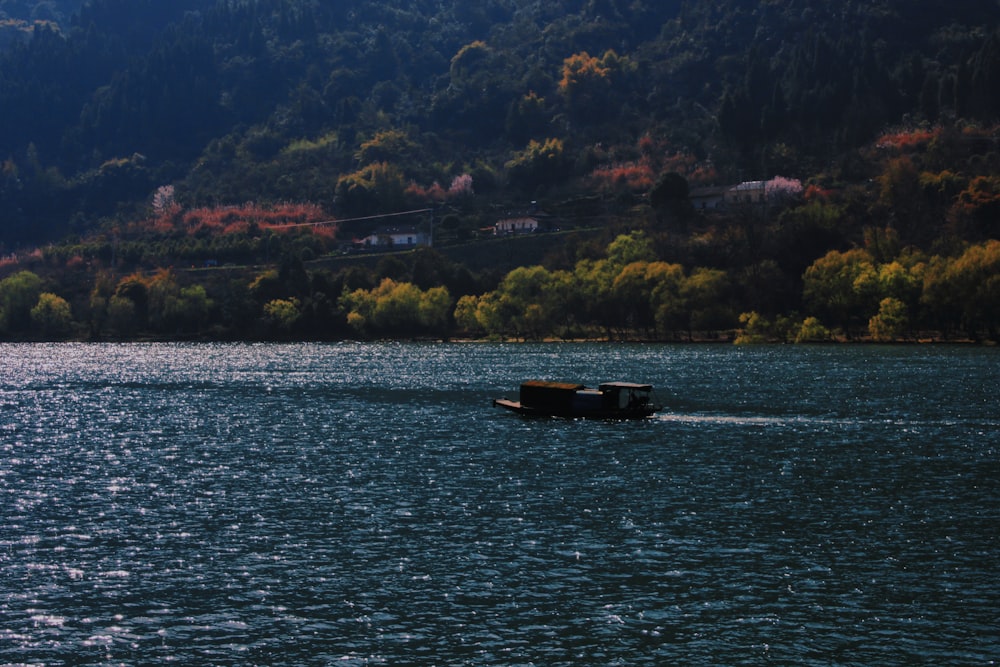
<point>611,400</point>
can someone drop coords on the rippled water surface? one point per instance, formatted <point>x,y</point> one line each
<point>364,504</point>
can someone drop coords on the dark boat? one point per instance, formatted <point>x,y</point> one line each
<point>611,400</point>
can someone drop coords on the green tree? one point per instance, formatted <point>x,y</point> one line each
<point>52,315</point>
<point>100,296</point>
<point>122,316</point>
<point>589,83</point>
<point>397,308</point>
<point>540,164</point>
<point>704,295</point>
<point>18,295</point>
<point>387,146</point>
<point>282,315</point>
<point>964,292</point>
<point>890,322</point>
<point>648,294</point>
<point>841,287</point>
<point>375,188</point>
<point>489,313</point>
<point>435,309</point>
<point>633,290</point>
<point>162,292</point>
<point>756,329</point>
<point>527,296</point>
<point>466,315</point>
<point>667,299</point>
<point>527,118</point>
<point>628,248</point>
<point>595,282</point>
<point>132,288</point>
<point>812,331</point>
<point>474,104</point>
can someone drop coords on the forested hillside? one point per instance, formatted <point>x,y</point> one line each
<point>138,134</point>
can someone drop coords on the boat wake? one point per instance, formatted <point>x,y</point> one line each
<point>811,421</point>
<point>748,420</point>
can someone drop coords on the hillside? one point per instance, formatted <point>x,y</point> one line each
<point>275,100</point>
<point>136,134</point>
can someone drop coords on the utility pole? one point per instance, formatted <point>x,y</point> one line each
<point>430,236</point>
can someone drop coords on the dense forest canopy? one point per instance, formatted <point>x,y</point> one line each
<point>143,134</point>
<point>128,95</point>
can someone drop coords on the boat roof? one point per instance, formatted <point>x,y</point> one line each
<point>574,386</point>
<point>552,385</point>
<point>627,385</point>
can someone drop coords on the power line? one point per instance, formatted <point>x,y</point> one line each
<point>361,219</point>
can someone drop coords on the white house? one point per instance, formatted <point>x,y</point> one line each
<point>747,192</point>
<point>517,225</point>
<point>396,237</point>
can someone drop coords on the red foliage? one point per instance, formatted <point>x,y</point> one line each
<point>631,176</point>
<point>906,141</point>
<point>655,158</point>
<point>649,146</point>
<point>461,186</point>
<point>435,193</point>
<point>688,166</point>
<point>240,219</point>
<point>76,262</point>
<point>815,192</point>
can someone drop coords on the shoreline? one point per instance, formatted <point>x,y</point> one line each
<point>467,340</point>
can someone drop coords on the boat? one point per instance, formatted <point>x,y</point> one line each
<point>611,400</point>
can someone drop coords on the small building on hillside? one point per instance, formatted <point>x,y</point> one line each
<point>516,225</point>
<point>396,238</point>
<point>747,192</point>
<point>776,193</point>
<point>708,199</point>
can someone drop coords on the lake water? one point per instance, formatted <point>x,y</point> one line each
<point>364,504</point>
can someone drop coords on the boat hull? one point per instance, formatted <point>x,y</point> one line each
<point>615,414</point>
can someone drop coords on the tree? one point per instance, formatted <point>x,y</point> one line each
<point>840,287</point>
<point>588,83</point>
<point>466,316</point>
<point>666,298</point>
<point>648,295</point>
<point>18,295</point>
<point>965,291</point>
<point>434,309</point>
<point>756,329</point>
<point>633,290</point>
<point>387,146</point>
<point>812,331</point>
<point>703,293</point>
<point>52,315</point>
<point>135,290</point>
<point>628,248</point>
<point>669,196</point>
<point>375,188</point>
<point>122,316</point>
<point>890,322</point>
<point>977,208</point>
<point>282,314</point>
<point>527,118</point>
<point>526,292</point>
<point>397,308</point>
<point>540,164</point>
<point>194,308</point>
